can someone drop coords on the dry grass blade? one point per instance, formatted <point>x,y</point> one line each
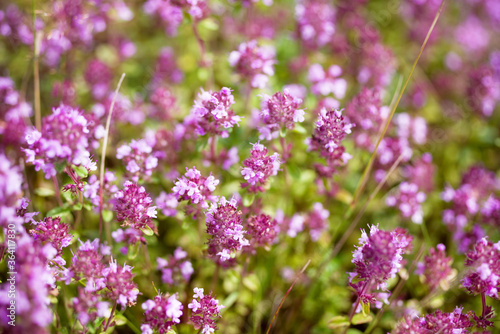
<point>103,158</point>
<point>366,172</point>
<point>286,295</point>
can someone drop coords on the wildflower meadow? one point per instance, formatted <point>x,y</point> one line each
<point>250,166</point>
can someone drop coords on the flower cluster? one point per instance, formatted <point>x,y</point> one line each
<point>316,22</point>
<point>408,199</point>
<point>133,207</point>
<point>331,129</point>
<point>224,226</point>
<point>212,113</point>
<point>195,188</point>
<point>278,112</point>
<point>10,192</point>
<point>483,262</point>
<point>98,76</point>
<point>174,267</point>
<point>89,307</point>
<point>167,203</point>
<point>326,83</point>
<point>414,128</point>
<point>13,111</point>
<point>437,322</point>
<point>259,167</point>
<point>475,195</point>
<point>317,221</point>
<point>204,311</point>
<point>389,151</point>
<point>378,258</point>
<point>119,284</point>
<point>161,313</point>
<point>253,62</point>
<point>54,232</point>
<point>64,139</point>
<point>262,229</point>
<point>369,114</point>
<point>436,268</point>
<point>138,158</point>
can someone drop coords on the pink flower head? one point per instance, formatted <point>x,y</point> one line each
<point>133,207</point>
<point>120,285</point>
<point>254,63</point>
<point>176,268</point>
<point>378,258</point>
<point>161,313</point>
<point>224,225</point>
<point>316,22</point>
<point>282,110</point>
<point>483,262</point>
<point>212,113</point>
<point>331,129</point>
<point>138,158</point>
<point>259,167</point>
<point>262,229</point>
<point>195,188</point>
<point>326,83</point>
<point>436,268</point>
<point>204,310</point>
<point>408,199</point>
<point>64,138</point>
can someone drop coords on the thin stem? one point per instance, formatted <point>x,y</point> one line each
<point>483,300</point>
<point>356,304</point>
<point>286,295</point>
<point>36,73</point>
<point>103,159</point>
<point>362,183</point>
<point>110,316</point>
<point>215,277</point>
<point>57,190</point>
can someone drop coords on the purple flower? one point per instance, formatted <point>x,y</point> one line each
<point>195,188</point>
<point>436,268</point>
<point>167,203</point>
<point>262,229</point>
<point>212,113</point>
<point>483,90</point>
<point>389,150</point>
<point>138,158</point>
<point>317,221</point>
<point>204,311</point>
<point>89,307</point>
<point>163,103</point>
<point>161,313</point>
<point>331,129</point>
<point>411,127</point>
<point>259,167</point>
<point>224,225</point>
<point>52,230</point>
<point>408,199</point>
<point>120,285</point>
<point>64,138</point>
<point>483,262</point>
<point>316,22</point>
<point>98,75</point>
<point>422,173</point>
<point>254,63</point>
<point>133,207</point>
<point>175,267</point>
<point>10,193</point>
<point>378,258</point>
<point>326,83</point>
<point>369,114</point>
<point>279,111</point>
<point>437,322</point>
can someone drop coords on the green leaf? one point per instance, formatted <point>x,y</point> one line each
<point>107,215</point>
<point>44,192</point>
<point>365,308</point>
<point>248,199</point>
<point>361,318</point>
<point>59,211</point>
<point>120,319</point>
<point>229,301</point>
<point>60,167</point>
<point>133,250</point>
<point>283,132</point>
<point>77,206</point>
<point>338,321</point>
<point>300,129</point>
<point>81,171</point>
<point>147,231</point>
